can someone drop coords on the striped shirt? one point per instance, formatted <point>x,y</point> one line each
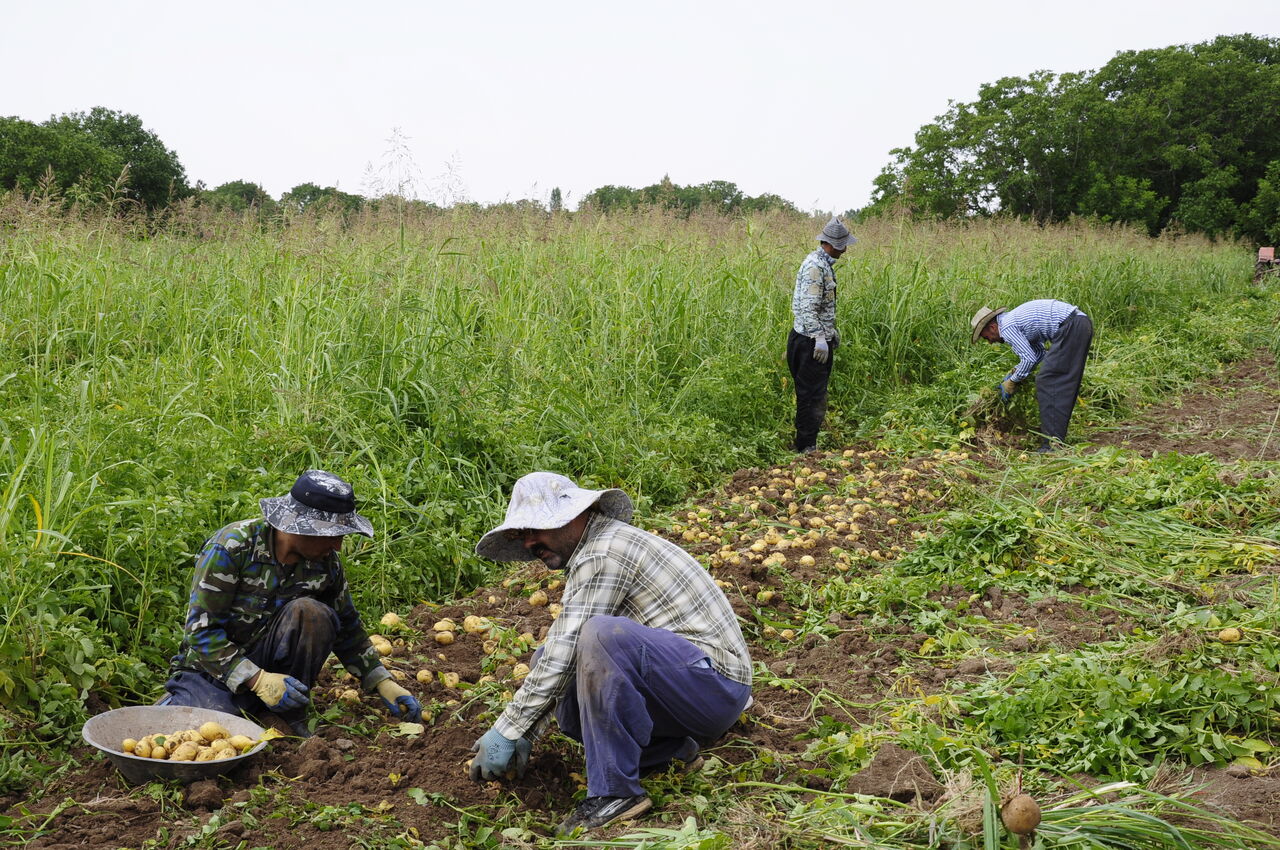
<point>620,570</point>
<point>813,303</point>
<point>1028,327</point>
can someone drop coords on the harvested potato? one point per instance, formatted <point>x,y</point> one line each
<point>1020,815</point>
<point>424,676</point>
<point>241,742</point>
<point>444,638</point>
<point>391,618</point>
<point>445,625</point>
<point>213,730</point>
<point>207,754</point>
<point>128,745</point>
<point>474,625</point>
<point>538,598</point>
<point>450,680</point>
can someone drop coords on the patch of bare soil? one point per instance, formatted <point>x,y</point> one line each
<point>1235,417</point>
<point>819,518</point>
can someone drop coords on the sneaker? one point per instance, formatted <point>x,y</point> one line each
<point>808,450</point>
<point>595,812</point>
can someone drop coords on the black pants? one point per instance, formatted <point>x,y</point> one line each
<point>1058,383</point>
<point>810,378</point>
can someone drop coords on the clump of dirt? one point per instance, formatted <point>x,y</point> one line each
<point>897,774</point>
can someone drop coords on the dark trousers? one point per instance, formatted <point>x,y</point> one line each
<point>810,378</point>
<point>1058,383</point>
<point>641,697</point>
<point>297,643</point>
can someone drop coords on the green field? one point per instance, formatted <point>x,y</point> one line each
<point>156,381</point>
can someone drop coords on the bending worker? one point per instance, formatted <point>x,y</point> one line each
<point>645,662</point>
<point>814,338</point>
<point>269,602</point>
<point>1026,329</point>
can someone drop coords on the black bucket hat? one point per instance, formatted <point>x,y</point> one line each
<point>320,504</point>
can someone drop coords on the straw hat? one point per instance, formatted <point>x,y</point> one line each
<point>544,500</point>
<point>320,504</point>
<point>980,319</point>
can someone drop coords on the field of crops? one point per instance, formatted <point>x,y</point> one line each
<point>937,617</point>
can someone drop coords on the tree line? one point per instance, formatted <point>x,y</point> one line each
<point>1185,136</point>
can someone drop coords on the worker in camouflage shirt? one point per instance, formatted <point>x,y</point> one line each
<point>269,603</point>
<point>813,335</point>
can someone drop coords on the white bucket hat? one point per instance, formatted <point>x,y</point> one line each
<point>836,234</point>
<point>980,319</point>
<point>545,500</point>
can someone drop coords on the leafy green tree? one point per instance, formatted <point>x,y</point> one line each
<point>30,152</point>
<point>156,177</point>
<point>557,202</point>
<point>306,196</point>
<point>240,195</point>
<point>1179,134</point>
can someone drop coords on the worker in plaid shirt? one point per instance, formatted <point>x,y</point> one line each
<point>645,663</point>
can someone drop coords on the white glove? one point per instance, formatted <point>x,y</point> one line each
<point>820,349</point>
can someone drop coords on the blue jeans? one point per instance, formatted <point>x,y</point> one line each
<point>297,642</point>
<point>639,698</point>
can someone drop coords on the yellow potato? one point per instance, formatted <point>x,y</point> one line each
<point>445,625</point>
<point>474,625</point>
<point>444,638</point>
<point>222,744</point>
<point>142,750</point>
<point>538,598</point>
<point>450,680</point>
<point>424,676</point>
<point>207,754</point>
<point>212,731</point>
<point>186,751</point>
<point>241,742</point>
<point>128,745</point>
<point>390,618</point>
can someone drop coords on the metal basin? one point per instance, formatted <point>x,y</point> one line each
<point>108,730</point>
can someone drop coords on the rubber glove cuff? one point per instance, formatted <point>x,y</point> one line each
<point>398,701</point>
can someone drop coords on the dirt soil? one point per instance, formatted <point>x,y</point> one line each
<point>822,516</point>
<point>1236,417</point>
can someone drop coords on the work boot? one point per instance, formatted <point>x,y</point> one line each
<point>595,812</point>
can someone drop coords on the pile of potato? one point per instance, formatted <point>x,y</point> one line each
<point>211,742</point>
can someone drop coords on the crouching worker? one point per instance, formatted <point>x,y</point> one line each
<point>269,602</point>
<point>645,663</point>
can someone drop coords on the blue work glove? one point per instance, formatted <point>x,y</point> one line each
<point>821,351</point>
<point>278,691</point>
<point>396,698</point>
<point>493,753</point>
<point>1006,388</point>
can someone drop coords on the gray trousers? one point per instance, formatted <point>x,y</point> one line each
<point>1058,383</point>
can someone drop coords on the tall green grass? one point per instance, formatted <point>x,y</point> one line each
<point>157,379</point>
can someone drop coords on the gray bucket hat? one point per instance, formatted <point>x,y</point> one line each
<point>320,504</point>
<point>547,500</point>
<point>980,319</point>
<point>836,234</point>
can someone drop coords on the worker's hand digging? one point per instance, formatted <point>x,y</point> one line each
<point>399,702</point>
<point>1006,388</point>
<point>493,756</point>
<point>278,691</point>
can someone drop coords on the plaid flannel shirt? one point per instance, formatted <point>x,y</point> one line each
<point>620,570</point>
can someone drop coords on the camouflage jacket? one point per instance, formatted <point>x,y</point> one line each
<point>239,586</point>
<point>814,300</point>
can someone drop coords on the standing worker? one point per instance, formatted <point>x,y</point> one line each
<point>1026,329</point>
<point>269,603</point>
<point>645,663</point>
<point>813,338</point>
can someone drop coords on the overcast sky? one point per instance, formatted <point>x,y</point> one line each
<point>495,100</point>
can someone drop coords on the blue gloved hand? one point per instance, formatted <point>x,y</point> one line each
<point>821,351</point>
<point>278,691</point>
<point>493,755</point>
<point>1006,388</point>
<point>398,701</point>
